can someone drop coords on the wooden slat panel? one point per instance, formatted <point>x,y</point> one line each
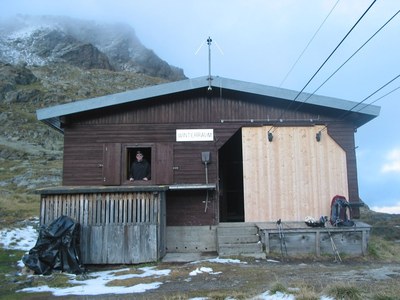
<point>110,230</point>
<point>134,209</point>
<point>115,241</point>
<point>161,220</point>
<point>129,208</point>
<point>143,210</point>
<point>293,176</point>
<point>84,240</point>
<point>133,246</point>
<point>89,208</point>
<point>119,244</point>
<point>150,247</point>
<point>86,211</point>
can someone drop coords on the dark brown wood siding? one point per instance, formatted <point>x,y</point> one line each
<point>174,162</point>
<point>205,110</point>
<point>157,122</point>
<point>188,208</point>
<point>154,122</point>
<point>343,134</point>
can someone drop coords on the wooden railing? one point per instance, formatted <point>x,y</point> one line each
<point>102,208</point>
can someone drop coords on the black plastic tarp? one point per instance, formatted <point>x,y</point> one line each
<point>57,248</point>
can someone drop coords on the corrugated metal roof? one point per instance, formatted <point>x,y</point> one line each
<point>51,115</point>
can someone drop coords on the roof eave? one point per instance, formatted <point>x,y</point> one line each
<point>53,114</point>
<point>120,98</point>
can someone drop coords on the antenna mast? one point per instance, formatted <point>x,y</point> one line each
<point>209,40</point>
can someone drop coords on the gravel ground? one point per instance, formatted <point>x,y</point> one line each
<point>250,278</point>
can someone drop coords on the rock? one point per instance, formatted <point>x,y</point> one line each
<point>10,76</point>
<point>87,57</point>
<point>32,96</point>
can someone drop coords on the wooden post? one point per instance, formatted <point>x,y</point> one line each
<point>317,243</point>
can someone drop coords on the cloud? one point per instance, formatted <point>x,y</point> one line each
<point>395,209</point>
<point>393,162</point>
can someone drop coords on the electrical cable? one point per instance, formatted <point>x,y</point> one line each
<point>361,102</point>
<point>387,22</point>
<point>342,116</point>
<point>376,100</point>
<point>330,55</point>
<point>310,41</point>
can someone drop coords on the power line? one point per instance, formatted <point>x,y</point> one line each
<point>330,55</point>
<point>341,117</point>
<point>310,41</point>
<point>334,50</point>
<point>376,100</point>
<point>387,22</point>
<point>365,99</point>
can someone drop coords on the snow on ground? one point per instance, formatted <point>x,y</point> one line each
<point>97,283</point>
<point>203,270</point>
<point>225,261</point>
<point>18,238</point>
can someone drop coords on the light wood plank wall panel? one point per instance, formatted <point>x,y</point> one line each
<point>293,176</point>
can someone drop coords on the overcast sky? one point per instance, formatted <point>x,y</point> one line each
<point>260,41</point>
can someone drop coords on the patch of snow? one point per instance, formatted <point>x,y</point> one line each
<point>24,32</point>
<point>97,283</point>
<point>223,261</point>
<point>282,296</point>
<point>277,296</point>
<point>19,238</point>
<point>203,270</point>
<point>16,45</point>
<point>96,289</point>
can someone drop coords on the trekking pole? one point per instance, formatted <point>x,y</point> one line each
<point>334,248</point>
<point>281,238</point>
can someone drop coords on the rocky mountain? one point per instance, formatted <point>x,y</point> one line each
<point>44,40</point>
<point>46,61</point>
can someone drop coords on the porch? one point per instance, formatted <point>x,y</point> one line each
<point>291,239</point>
<point>127,224</point>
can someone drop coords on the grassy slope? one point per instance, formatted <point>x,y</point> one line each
<point>31,152</point>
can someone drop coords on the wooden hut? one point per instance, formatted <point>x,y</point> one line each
<point>221,151</point>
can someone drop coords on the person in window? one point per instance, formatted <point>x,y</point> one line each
<point>140,168</point>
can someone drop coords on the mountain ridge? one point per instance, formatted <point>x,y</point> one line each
<point>53,62</point>
<point>43,40</point>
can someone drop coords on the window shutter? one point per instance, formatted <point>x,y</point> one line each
<point>164,164</point>
<point>112,164</point>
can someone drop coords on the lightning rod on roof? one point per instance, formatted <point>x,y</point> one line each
<point>209,40</point>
